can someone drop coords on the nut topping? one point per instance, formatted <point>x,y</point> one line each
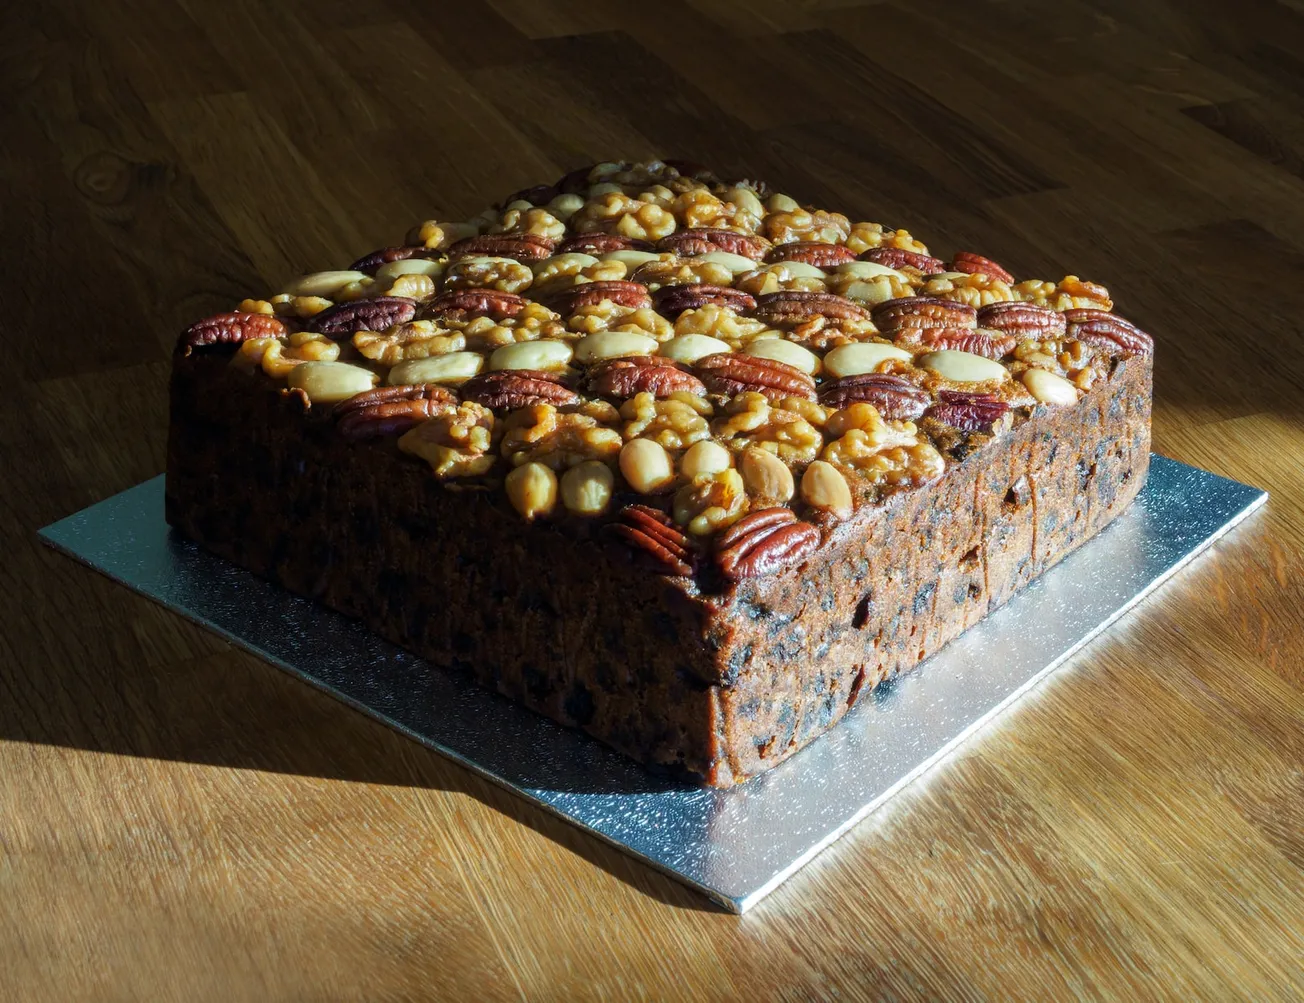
<point>628,294</point>
<point>598,244</point>
<point>969,412</point>
<point>895,397</point>
<point>1102,329</point>
<point>364,315</point>
<point>535,195</point>
<point>734,373</point>
<point>229,329</point>
<point>975,264</point>
<point>812,252</point>
<point>964,339</point>
<point>623,378</point>
<point>389,411</point>
<point>923,311</point>
<point>523,247</point>
<point>656,542</point>
<point>897,257</point>
<point>764,543</point>
<point>671,301</point>
<point>1025,321</point>
<point>463,304</point>
<point>795,306</point>
<point>509,389</point>
<point>368,263</point>
<point>704,239</point>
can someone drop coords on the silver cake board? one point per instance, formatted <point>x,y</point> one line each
<point>735,845</point>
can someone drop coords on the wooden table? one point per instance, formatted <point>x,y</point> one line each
<point>179,821</point>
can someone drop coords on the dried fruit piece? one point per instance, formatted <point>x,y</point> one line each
<point>923,311</point>
<point>509,389</point>
<point>599,244</point>
<point>704,239</point>
<point>628,294</point>
<point>963,339</point>
<point>764,543</point>
<point>969,412</point>
<point>671,301</point>
<point>1025,321</point>
<point>795,306</point>
<point>626,377</point>
<point>895,397</point>
<point>897,257</point>
<point>391,410</point>
<point>656,542</point>
<point>368,263</point>
<point>523,247</point>
<point>734,373</point>
<point>379,314</point>
<point>463,304</point>
<point>229,329</point>
<point>1102,329</point>
<point>812,252</point>
<point>976,264</point>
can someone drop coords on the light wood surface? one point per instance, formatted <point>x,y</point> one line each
<point>179,821</point>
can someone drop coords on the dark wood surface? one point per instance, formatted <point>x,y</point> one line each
<point>179,821</point>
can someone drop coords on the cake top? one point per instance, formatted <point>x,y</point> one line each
<point>710,368</point>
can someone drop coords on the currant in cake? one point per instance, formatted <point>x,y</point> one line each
<point>673,459</point>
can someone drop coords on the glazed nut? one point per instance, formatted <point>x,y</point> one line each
<point>688,348</point>
<point>705,457</point>
<point>412,286</point>
<point>1049,388</point>
<point>455,367</point>
<point>782,350</point>
<point>823,487</point>
<point>767,478</point>
<point>781,203</point>
<point>630,258</point>
<point>586,488</point>
<point>862,357</point>
<point>544,355</point>
<point>409,266</point>
<point>646,466</point>
<point>736,263</point>
<point>532,490</point>
<point>324,283</point>
<point>329,382</point>
<point>612,345</point>
<point>963,367</point>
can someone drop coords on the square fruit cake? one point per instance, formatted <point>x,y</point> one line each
<point>666,457</point>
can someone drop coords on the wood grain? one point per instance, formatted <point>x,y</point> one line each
<point>179,821</point>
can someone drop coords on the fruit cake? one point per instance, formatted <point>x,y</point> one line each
<point>672,459</point>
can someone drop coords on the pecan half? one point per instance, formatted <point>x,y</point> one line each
<point>535,195</point>
<point>391,410</point>
<point>657,543</point>
<point>812,252</point>
<point>897,257</point>
<point>575,182</point>
<point>518,246</point>
<point>731,373</point>
<point>895,397</point>
<point>764,543</point>
<point>975,341</point>
<point>671,301</point>
<point>969,412</point>
<point>466,303</point>
<point>379,314</point>
<point>509,389</point>
<point>704,239</point>
<point>923,311</point>
<point>796,306</point>
<point>641,374</point>
<point>229,329</point>
<point>622,293</point>
<point>599,244</point>
<point>692,169</point>
<point>1025,321</point>
<point>370,262</point>
<point>1102,329</point>
<point>974,264</point>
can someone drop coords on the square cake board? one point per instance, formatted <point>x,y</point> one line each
<point>734,845</point>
